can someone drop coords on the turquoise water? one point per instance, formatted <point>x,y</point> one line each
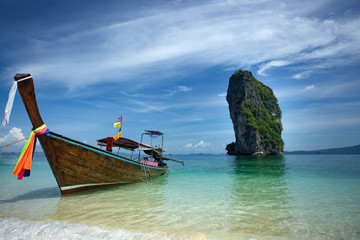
<point>211,197</point>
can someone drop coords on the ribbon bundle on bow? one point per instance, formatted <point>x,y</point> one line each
<point>23,165</point>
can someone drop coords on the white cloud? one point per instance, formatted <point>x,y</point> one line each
<point>228,33</point>
<point>318,117</point>
<point>200,145</point>
<point>160,105</point>
<point>302,75</point>
<point>327,90</point>
<point>307,88</point>
<point>189,145</point>
<point>222,94</point>
<point>179,89</point>
<point>271,64</point>
<point>14,135</point>
<point>184,89</point>
<point>146,107</point>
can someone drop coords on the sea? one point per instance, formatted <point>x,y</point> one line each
<point>211,197</point>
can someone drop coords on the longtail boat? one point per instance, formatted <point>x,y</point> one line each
<point>78,166</point>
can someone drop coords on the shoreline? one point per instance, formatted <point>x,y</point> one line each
<point>15,228</point>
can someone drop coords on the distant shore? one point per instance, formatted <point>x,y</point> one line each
<point>344,150</point>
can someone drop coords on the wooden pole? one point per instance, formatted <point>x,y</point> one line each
<point>169,159</point>
<point>13,143</point>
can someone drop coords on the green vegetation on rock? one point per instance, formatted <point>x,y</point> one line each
<point>261,118</point>
<point>258,106</point>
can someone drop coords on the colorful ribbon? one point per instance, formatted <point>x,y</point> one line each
<point>23,165</point>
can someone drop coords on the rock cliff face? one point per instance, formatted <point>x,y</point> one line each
<point>256,117</point>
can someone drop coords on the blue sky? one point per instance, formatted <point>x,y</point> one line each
<point>166,64</point>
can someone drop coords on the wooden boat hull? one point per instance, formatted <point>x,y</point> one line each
<point>78,166</point>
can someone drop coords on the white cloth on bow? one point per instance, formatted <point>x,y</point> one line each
<point>10,103</point>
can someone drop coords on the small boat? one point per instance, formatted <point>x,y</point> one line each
<point>78,166</point>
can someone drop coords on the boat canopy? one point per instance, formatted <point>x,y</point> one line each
<point>122,143</point>
<point>153,133</point>
<point>128,144</point>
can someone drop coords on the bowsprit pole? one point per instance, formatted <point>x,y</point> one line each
<point>169,159</point>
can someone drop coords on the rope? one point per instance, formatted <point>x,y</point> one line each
<point>13,143</point>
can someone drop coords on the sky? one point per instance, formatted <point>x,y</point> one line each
<point>165,65</point>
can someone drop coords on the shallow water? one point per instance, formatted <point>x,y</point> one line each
<point>212,196</point>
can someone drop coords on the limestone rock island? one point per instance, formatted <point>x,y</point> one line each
<point>256,117</point>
